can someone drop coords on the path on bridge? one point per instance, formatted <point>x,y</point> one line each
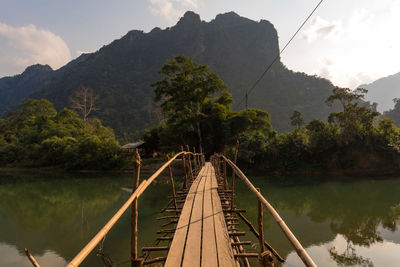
<point>205,232</point>
<point>201,237</point>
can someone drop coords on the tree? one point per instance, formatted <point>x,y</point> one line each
<point>184,91</point>
<point>297,119</point>
<point>84,102</point>
<point>354,118</point>
<point>36,135</point>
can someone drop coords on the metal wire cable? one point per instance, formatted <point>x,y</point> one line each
<point>280,52</point>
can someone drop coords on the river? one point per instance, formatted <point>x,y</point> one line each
<point>341,221</point>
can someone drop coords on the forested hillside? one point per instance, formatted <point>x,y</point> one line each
<point>236,48</point>
<point>15,89</point>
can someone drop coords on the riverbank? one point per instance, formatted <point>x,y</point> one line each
<point>151,165</point>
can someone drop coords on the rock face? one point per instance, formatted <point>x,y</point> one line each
<point>236,48</point>
<point>383,91</point>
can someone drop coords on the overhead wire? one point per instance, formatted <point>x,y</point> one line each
<point>279,54</point>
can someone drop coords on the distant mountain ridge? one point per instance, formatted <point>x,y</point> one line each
<point>17,88</point>
<point>236,48</point>
<point>383,91</point>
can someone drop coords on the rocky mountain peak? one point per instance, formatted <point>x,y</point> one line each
<point>37,68</point>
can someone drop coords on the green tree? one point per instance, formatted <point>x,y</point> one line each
<point>297,119</point>
<point>184,91</point>
<point>355,119</point>
<point>37,135</point>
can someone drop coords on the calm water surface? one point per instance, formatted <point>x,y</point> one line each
<point>340,221</point>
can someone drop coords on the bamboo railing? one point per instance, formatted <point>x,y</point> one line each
<point>307,260</point>
<point>80,257</point>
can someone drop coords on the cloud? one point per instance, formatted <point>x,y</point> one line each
<point>325,70</point>
<point>171,10</point>
<point>327,61</point>
<point>27,45</point>
<point>321,28</point>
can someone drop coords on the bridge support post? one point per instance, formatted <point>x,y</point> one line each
<point>224,174</point>
<point>190,163</point>
<point>135,261</point>
<point>266,259</point>
<point>185,183</point>
<point>171,178</point>
<point>233,175</point>
<point>195,160</point>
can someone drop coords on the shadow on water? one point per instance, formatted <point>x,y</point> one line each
<point>341,222</point>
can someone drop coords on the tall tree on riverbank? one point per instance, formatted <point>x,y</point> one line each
<point>354,118</point>
<point>186,89</point>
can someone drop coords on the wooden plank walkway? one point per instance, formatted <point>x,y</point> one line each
<point>201,237</point>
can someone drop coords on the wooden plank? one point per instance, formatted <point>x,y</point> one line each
<point>224,249</point>
<point>176,251</point>
<point>209,244</point>
<point>192,255</point>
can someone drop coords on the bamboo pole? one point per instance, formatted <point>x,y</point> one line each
<point>135,262</point>
<point>233,174</point>
<point>195,160</point>
<point>290,236</point>
<point>260,230</point>
<point>185,183</point>
<point>100,235</point>
<point>225,178</point>
<point>255,232</point>
<point>31,258</point>
<point>173,187</point>
<point>266,259</point>
<point>190,163</point>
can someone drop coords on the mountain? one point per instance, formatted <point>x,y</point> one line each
<point>383,91</point>
<point>236,48</point>
<point>15,89</point>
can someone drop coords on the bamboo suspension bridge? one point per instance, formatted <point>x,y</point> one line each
<point>201,219</point>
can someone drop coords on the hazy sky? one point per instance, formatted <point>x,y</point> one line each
<point>349,42</point>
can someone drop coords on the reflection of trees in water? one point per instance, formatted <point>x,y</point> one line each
<point>349,257</point>
<point>62,212</point>
<point>42,212</point>
<point>353,208</point>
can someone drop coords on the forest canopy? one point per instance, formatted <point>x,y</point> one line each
<point>36,135</point>
<point>352,139</point>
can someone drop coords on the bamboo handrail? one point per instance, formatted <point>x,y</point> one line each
<point>100,235</point>
<point>307,260</point>
<point>31,258</point>
<point>77,260</point>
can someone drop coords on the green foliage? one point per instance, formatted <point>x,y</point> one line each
<point>36,135</point>
<point>352,140</point>
<point>121,73</point>
<point>188,93</point>
<point>198,112</point>
<point>353,119</point>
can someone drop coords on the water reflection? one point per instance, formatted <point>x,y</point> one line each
<point>56,215</point>
<point>341,222</point>
<point>318,211</point>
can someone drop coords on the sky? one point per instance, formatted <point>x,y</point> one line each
<point>350,42</point>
